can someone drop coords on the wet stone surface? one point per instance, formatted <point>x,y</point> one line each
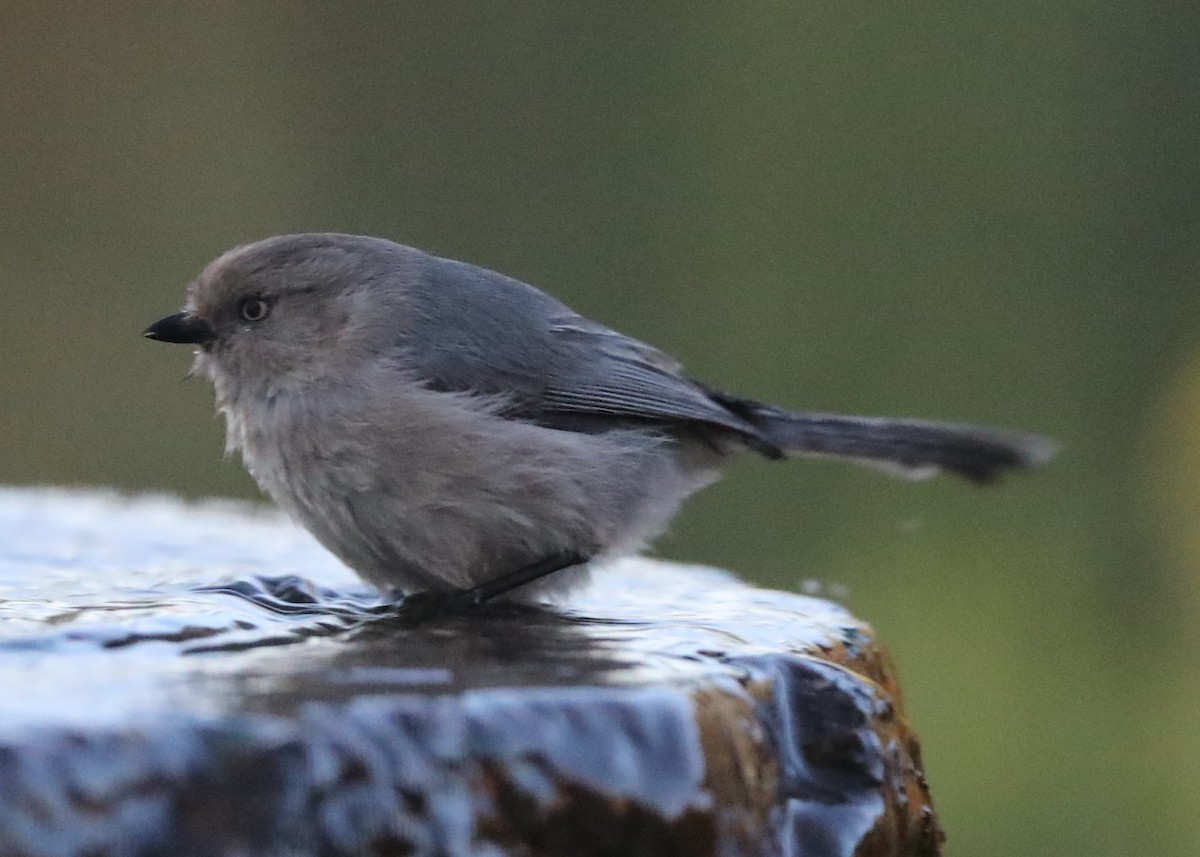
<point>184,679</point>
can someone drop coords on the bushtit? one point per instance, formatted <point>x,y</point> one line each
<point>441,427</point>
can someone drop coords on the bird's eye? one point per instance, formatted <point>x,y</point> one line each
<point>254,309</point>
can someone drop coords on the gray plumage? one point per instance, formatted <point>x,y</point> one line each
<point>436,425</point>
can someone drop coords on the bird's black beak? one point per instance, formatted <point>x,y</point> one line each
<point>183,327</point>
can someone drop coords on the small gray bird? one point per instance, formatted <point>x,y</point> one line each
<point>441,427</point>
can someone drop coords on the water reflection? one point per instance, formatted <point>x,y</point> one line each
<point>147,579</point>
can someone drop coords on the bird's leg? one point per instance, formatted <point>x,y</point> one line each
<point>506,583</point>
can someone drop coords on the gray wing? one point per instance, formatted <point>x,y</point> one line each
<point>474,330</point>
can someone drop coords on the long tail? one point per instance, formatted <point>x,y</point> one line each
<point>913,448</point>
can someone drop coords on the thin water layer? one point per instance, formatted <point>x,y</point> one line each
<point>204,673</point>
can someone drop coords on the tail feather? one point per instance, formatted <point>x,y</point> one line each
<point>912,448</point>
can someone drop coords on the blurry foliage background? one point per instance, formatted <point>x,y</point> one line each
<point>976,211</point>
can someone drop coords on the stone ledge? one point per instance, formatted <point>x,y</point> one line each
<point>202,679</point>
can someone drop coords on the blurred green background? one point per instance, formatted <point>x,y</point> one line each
<point>975,211</point>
